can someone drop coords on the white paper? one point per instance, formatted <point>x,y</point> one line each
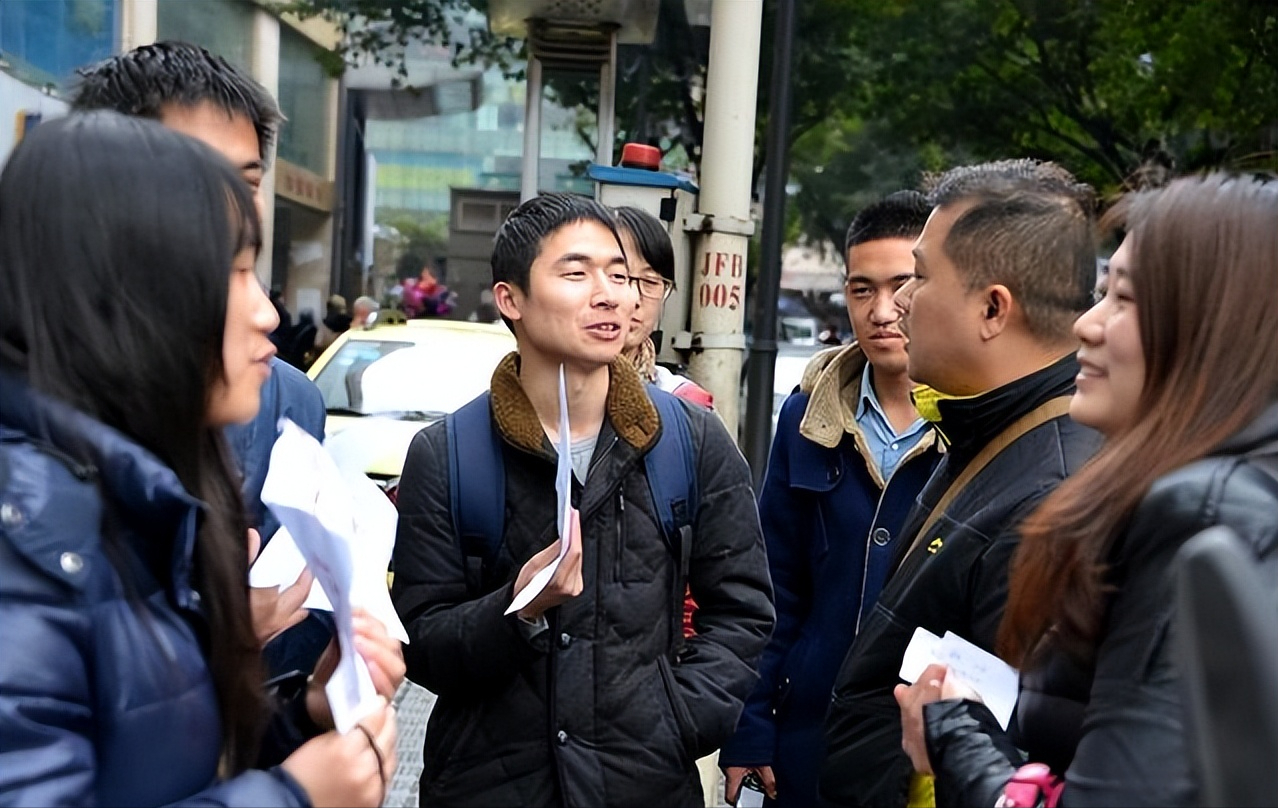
<point>563,493</point>
<point>996,682</point>
<point>749,798</point>
<point>920,653</point>
<point>348,556</point>
<point>278,566</point>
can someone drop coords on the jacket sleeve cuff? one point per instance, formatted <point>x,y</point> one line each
<point>972,756</point>
<point>290,782</point>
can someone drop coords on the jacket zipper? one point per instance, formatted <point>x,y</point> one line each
<point>621,535</point>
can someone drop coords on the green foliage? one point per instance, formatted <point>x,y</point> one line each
<point>425,239</point>
<point>1120,91</point>
<point>1114,89</point>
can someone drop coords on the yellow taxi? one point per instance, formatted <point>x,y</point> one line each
<point>382,385</point>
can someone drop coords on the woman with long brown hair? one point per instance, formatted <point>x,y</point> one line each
<point>1180,372</point>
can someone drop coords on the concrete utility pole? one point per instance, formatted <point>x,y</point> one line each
<point>723,215</point>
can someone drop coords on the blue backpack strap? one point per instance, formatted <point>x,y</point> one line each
<point>671,467</point>
<point>477,490</point>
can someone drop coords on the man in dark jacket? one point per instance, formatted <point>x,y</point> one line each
<point>579,698</point>
<point>188,89</point>
<point>849,457</point>
<point>1005,264</point>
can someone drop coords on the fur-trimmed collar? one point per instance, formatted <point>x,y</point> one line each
<point>832,381</point>
<point>628,408</point>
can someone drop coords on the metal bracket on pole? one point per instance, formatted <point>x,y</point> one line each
<point>731,342</point>
<point>706,223</point>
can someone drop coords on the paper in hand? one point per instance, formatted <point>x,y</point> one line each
<point>996,682</point>
<point>317,505</point>
<point>278,566</point>
<point>563,493</point>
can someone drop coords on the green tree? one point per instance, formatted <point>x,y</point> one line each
<point>1119,91</point>
<point>1111,88</point>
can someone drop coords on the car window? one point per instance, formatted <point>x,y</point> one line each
<point>431,380</point>
<point>340,380</point>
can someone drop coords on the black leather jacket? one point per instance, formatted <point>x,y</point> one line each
<point>958,583</point>
<point>1115,726</point>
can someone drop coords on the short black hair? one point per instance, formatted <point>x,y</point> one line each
<point>518,240</point>
<point>1029,225</point>
<point>144,81</point>
<point>897,215</point>
<point>651,237</point>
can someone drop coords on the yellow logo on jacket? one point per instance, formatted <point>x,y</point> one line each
<point>935,546</point>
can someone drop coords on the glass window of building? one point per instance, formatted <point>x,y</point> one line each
<point>304,96</point>
<point>44,41</point>
<point>225,27</point>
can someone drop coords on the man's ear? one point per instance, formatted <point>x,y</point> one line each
<point>508,299</point>
<point>997,310</point>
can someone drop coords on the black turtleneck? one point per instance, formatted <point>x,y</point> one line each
<point>970,423</point>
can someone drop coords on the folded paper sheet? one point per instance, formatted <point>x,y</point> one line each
<point>563,492</point>
<point>278,566</point>
<point>996,682</point>
<point>344,529</point>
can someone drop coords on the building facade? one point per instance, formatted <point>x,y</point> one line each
<point>42,42</point>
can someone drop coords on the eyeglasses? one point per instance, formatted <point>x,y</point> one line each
<point>653,288</point>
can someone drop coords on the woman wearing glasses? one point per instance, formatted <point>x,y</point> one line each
<point>650,257</point>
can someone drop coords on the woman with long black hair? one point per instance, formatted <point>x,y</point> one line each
<point>132,329</point>
<point>1179,370</point>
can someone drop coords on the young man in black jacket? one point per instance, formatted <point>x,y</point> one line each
<point>1005,264</point>
<point>583,697</point>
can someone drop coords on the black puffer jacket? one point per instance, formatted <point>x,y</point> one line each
<point>1116,726</point>
<point>596,711</point>
<point>956,580</point>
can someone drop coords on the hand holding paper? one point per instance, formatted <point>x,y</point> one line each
<point>554,575</point>
<point>348,556</point>
<point>990,679</point>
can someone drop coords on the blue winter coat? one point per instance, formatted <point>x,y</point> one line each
<point>830,526</point>
<point>105,694</point>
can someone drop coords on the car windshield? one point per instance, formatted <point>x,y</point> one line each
<point>412,381</point>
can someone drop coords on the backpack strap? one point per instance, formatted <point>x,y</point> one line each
<point>671,469</point>
<point>477,491</point>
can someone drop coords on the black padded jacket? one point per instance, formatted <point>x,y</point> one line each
<point>1116,726</point>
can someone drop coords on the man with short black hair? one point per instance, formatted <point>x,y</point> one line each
<point>588,694</point>
<point>200,94</point>
<point>849,457</point>
<point>1003,266</point>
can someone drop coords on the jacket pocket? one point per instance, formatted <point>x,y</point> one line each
<point>684,726</point>
<point>446,749</point>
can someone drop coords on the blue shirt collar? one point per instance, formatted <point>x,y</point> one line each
<point>868,399</point>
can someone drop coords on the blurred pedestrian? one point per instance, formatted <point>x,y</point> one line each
<point>131,670</point>
<point>431,297</point>
<point>650,259</point>
<point>365,309</point>
<point>1004,265</point>
<point>1179,370</point>
<point>849,458</point>
<point>336,321</point>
